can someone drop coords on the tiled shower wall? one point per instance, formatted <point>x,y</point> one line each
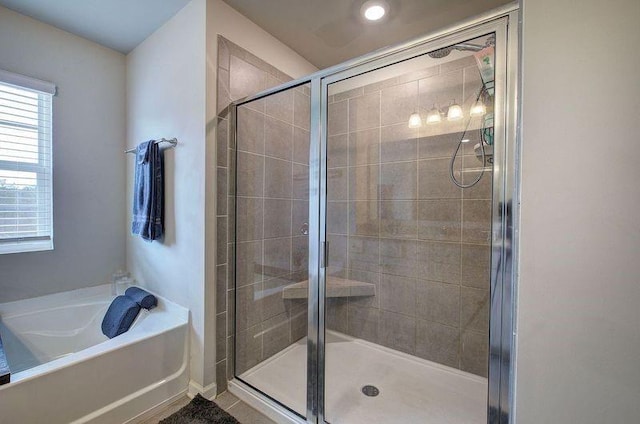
<point>397,221</point>
<point>394,218</point>
<point>272,196</point>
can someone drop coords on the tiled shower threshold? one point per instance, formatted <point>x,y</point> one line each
<point>411,389</point>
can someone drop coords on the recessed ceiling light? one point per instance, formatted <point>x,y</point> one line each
<point>374,10</point>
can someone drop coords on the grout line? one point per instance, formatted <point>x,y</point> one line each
<point>232,405</point>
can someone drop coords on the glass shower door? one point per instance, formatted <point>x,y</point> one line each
<point>408,215</point>
<point>272,245</point>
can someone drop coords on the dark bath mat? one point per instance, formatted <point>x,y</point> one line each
<point>200,411</point>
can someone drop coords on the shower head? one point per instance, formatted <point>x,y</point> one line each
<point>440,53</point>
<point>444,52</point>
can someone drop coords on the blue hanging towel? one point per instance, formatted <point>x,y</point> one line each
<point>148,192</point>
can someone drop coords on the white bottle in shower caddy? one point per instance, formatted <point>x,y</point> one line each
<point>120,281</point>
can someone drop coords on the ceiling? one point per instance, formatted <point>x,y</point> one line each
<point>325,32</point>
<point>117,24</point>
<point>328,32</point>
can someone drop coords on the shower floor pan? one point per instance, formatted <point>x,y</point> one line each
<point>411,390</point>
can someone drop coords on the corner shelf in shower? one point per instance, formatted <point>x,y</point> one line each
<point>336,287</point>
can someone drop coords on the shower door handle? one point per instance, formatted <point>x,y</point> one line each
<point>324,254</point>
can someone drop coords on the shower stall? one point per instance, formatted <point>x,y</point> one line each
<point>373,231</point>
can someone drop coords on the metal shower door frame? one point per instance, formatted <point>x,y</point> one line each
<point>504,22</point>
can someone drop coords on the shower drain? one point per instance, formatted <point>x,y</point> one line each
<point>370,390</point>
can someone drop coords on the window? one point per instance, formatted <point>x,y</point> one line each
<point>26,201</point>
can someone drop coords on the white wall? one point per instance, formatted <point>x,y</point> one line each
<point>88,162</point>
<point>168,78</point>
<point>166,98</point>
<point>578,352</point>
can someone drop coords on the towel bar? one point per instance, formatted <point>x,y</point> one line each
<point>172,141</point>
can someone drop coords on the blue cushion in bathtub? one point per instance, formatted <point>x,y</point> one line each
<point>119,317</point>
<point>145,299</point>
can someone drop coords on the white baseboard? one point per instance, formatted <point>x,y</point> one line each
<point>208,392</point>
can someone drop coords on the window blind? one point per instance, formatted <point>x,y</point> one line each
<point>26,198</point>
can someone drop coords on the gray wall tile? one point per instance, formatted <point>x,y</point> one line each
<point>363,183</point>
<point>434,181</point>
<point>439,220</point>
<point>438,343</point>
<point>300,216</point>
<point>277,178</point>
<point>398,142</point>
<point>364,254</point>
<point>364,147</point>
<point>221,347</point>
<point>272,302</point>
<point>250,175</point>
<point>337,119</point>
<point>441,89</point>
<point>221,195</point>
<point>248,306</point>
<point>336,314</point>
<point>222,141</point>
<point>301,145</point>
<point>300,183</point>
<point>398,181</point>
<point>300,255</point>
<point>301,110</point>
<point>337,184</point>
<point>439,261</point>
<point>437,146</point>
<point>398,219</point>
<point>475,353</point>
<point>337,215</point>
<point>280,105</point>
<point>278,139</point>
<point>248,348</point>
<point>366,277</point>
<point>474,309</point>
<point>249,225</point>
<point>364,112</point>
<point>277,218</point>
<point>471,167</point>
<point>398,102</point>
<point>248,263</point>
<point>221,288</point>
<point>398,294</point>
<point>398,332</point>
<point>247,79</point>
<point>363,323</point>
<point>476,221</point>
<point>337,150</point>
<point>250,130</point>
<point>398,257</point>
<point>476,266</point>
<point>277,335</point>
<point>277,257</point>
<point>438,302</point>
<point>364,219</point>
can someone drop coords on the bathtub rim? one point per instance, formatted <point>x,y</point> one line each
<point>173,316</point>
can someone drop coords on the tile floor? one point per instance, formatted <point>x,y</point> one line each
<point>240,410</point>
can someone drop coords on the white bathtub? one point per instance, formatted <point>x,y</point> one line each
<point>64,370</point>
